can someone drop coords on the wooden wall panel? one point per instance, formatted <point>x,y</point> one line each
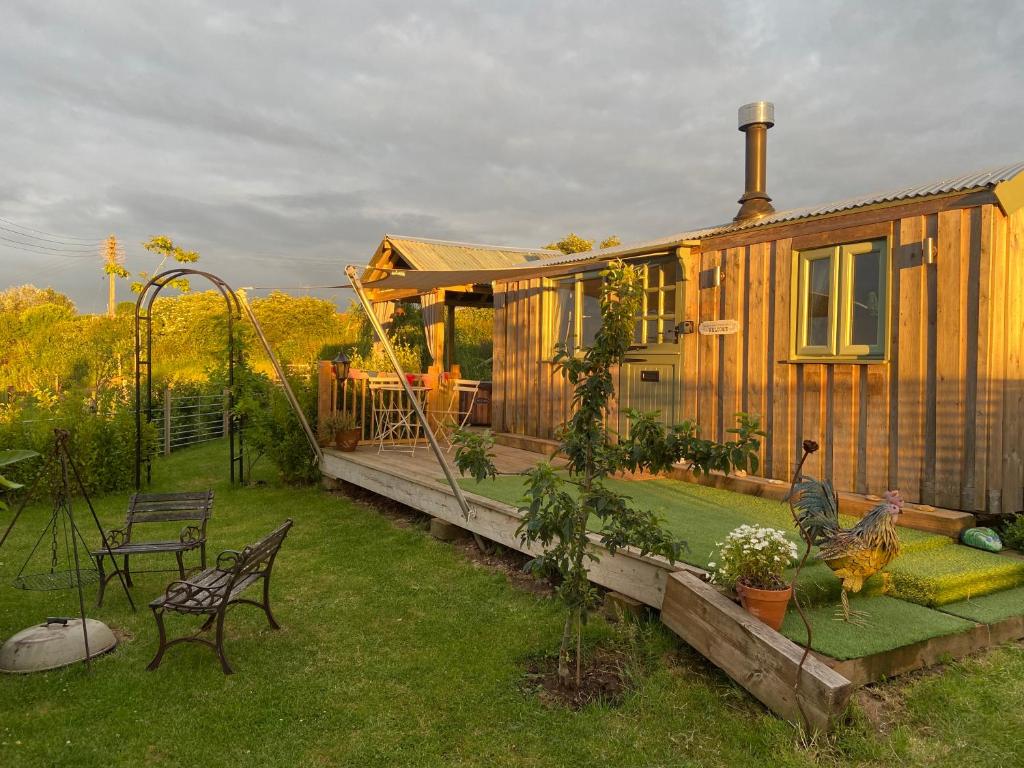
<point>733,293</point>
<point>949,375</point>
<point>782,435</point>
<point>708,402</point>
<point>811,424</point>
<point>909,347</point>
<point>498,367</point>
<point>531,365</point>
<point>845,409</point>
<point>996,373</point>
<point>975,350</point>
<point>878,428</point>
<point>1013,390</point>
<point>929,321</point>
<point>691,357</point>
<point>755,336</point>
<point>516,361</point>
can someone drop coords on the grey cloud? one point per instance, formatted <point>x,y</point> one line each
<point>252,130</point>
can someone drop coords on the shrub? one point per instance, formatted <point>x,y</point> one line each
<point>272,428</point>
<point>102,442</point>
<point>1013,533</point>
<point>377,360</point>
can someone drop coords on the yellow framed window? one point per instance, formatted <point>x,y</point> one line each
<point>841,307</point>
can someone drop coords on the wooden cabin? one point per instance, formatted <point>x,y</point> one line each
<point>887,327</point>
<point>890,329</point>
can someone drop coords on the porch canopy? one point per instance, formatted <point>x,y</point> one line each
<point>441,275</point>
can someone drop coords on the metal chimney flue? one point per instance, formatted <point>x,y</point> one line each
<point>754,120</point>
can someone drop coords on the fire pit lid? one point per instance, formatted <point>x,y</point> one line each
<point>55,643</point>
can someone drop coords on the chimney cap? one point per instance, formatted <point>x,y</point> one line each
<point>757,112</point>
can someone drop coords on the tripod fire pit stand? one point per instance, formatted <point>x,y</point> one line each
<point>62,566</point>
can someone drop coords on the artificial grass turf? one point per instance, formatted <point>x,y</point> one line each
<point>989,609</point>
<point>931,570</point>
<point>952,574</point>
<point>890,623</point>
<point>700,515</point>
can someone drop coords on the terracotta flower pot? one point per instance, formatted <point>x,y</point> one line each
<point>769,605</point>
<point>348,439</point>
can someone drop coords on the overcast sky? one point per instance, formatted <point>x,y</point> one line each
<point>283,140</point>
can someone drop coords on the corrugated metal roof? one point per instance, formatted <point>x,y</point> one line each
<point>427,254</point>
<point>979,180</point>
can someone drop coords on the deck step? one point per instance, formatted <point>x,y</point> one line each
<point>758,658</point>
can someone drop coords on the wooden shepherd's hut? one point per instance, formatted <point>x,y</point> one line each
<point>888,327</point>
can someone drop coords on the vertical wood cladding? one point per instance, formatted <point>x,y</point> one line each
<point>941,418</point>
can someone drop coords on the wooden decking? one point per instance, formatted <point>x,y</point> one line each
<point>417,481</point>
<point>422,462</point>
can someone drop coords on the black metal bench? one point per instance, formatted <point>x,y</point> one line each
<point>193,507</point>
<point>213,591</point>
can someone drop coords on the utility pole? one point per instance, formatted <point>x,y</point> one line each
<point>112,268</point>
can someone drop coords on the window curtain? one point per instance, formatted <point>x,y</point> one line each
<point>432,309</point>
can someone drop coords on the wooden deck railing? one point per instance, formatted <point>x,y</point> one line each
<point>355,398</point>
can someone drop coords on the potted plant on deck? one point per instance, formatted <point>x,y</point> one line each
<point>342,429</point>
<point>753,561</point>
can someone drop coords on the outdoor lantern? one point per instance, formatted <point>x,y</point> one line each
<point>341,366</point>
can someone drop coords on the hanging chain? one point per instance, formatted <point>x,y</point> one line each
<point>53,547</point>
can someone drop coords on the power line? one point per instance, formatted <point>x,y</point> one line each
<point>50,248</point>
<point>47,239</point>
<point>51,234</point>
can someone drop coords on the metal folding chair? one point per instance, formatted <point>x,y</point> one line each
<point>395,426</point>
<point>455,410</point>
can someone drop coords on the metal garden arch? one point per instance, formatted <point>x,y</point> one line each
<point>144,360</point>
<point>236,306</point>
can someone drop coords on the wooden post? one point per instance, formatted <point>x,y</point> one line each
<point>449,337</point>
<point>324,389</point>
<point>167,420</point>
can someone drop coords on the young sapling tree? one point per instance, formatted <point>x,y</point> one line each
<point>564,510</point>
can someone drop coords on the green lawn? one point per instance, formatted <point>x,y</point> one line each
<point>396,650</point>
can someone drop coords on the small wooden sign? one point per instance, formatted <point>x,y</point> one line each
<point>718,327</point>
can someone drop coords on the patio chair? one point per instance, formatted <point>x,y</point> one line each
<point>457,399</point>
<point>395,424</point>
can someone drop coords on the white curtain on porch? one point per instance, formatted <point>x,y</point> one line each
<point>432,309</point>
<point>385,312</point>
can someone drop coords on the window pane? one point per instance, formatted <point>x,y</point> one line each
<point>651,280</point>
<point>563,314</point>
<point>819,291</point>
<point>591,310</point>
<point>865,295</point>
<point>668,272</point>
<point>652,332</point>
<point>638,332</point>
<point>669,307</point>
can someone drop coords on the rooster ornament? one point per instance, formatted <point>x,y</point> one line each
<point>854,554</point>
